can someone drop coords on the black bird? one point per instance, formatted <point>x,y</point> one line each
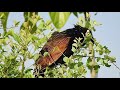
<point>58,46</point>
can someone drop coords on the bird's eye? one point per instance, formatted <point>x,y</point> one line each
<point>88,31</point>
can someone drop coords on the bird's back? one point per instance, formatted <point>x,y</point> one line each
<point>58,46</point>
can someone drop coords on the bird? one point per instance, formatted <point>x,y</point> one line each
<point>57,47</point>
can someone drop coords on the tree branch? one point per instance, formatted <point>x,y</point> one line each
<point>91,51</point>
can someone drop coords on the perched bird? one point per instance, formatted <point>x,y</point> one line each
<point>58,46</point>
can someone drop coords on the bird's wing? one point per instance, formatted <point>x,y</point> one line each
<point>55,48</point>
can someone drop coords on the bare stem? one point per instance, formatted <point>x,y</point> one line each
<point>91,52</point>
<point>22,71</point>
<point>23,65</point>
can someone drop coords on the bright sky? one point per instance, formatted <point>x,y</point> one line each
<point>108,34</point>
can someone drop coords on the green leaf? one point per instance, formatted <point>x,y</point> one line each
<point>36,56</point>
<point>28,70</point>
<point>32,21</point>
<point>73,49</point>
<point>41,24</point>
<point>81,21</point>
<point>101,52</point>
<point>96,67</point>
<point>76,14</point>
<point>81,12</point>
<point>46,53</point>
<point>80,64</point>
<point>17,38</point>
<point>35,38</point>
<point>16,23</point>
<point>72,65</point>
<point>101,61</point>
<point>10,32</point>
<point>59,18</point>
<point>88,63</point>
<point>28,15</point>
<point>74,44</point>
<point>107,65</point>
<point>14,35</point>
<point>99,49</point>
<point>66,59</point>
<point>4,19</point>
<point>75,40</point>
<point>107,51</point>
<point>106,56</point>
<point>0,46</point>
<point>112,59</point>
<point>87,25</point>
<point>60,70</point>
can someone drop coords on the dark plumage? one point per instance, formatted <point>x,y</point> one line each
<point>58,44</point>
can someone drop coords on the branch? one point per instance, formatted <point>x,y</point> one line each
<point>91,50</point>
<point>116,66</point>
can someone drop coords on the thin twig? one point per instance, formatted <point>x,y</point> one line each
<point>116,66</point>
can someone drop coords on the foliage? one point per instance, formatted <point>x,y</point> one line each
<point>18,48</point>
<point>59,18</point>
<point>3,18</point>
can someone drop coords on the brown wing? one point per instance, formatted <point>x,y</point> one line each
<point>55,46</point>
